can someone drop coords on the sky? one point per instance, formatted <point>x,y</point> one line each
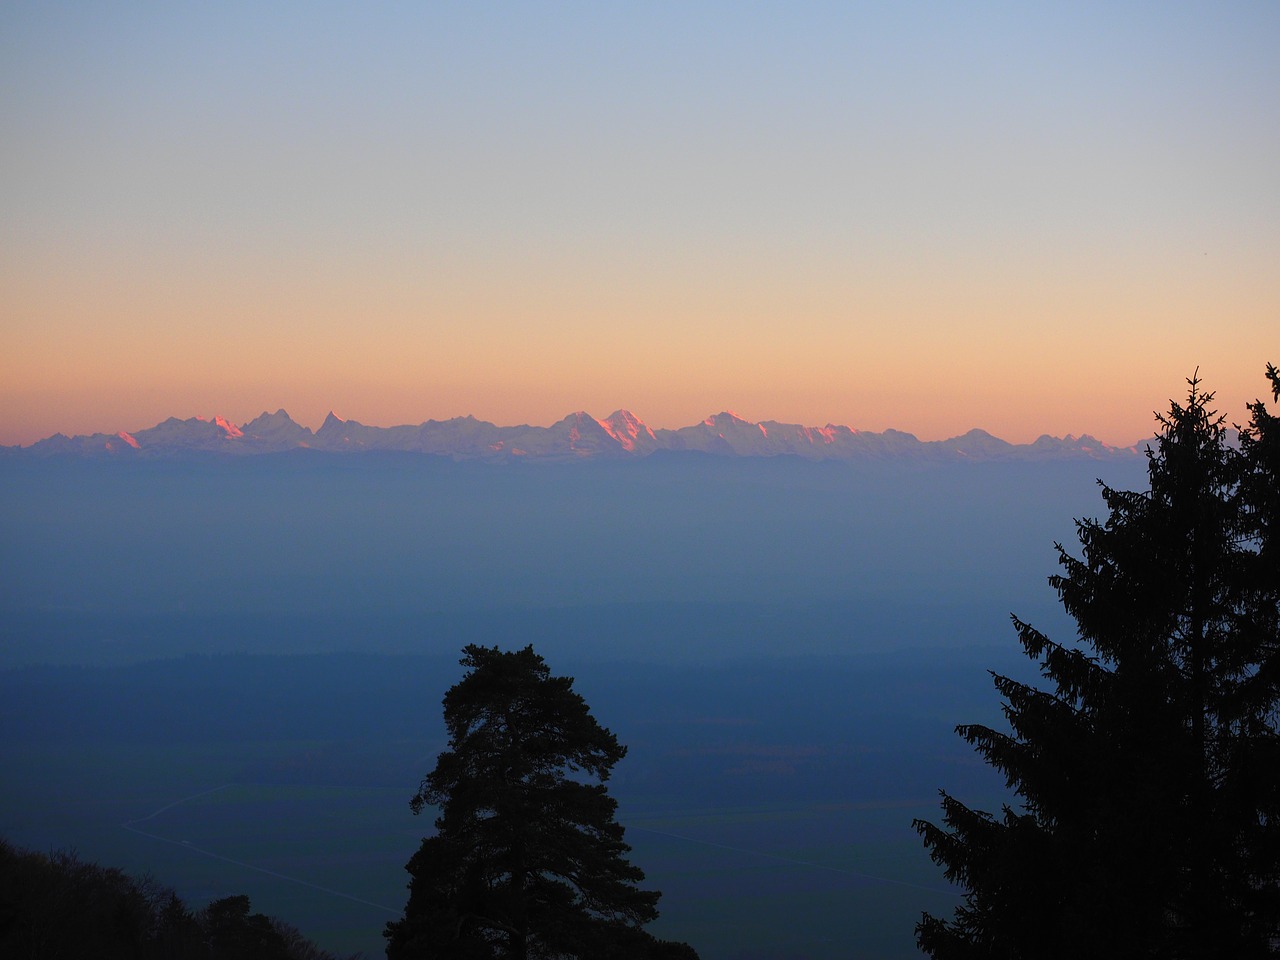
<point>1029,218</point>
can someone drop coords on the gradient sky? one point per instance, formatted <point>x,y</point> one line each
<point>1025,217</point>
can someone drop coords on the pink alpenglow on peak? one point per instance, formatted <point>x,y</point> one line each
<point>725,418</point>
<point>233,432</point>
<point>583,434</point>
<point>577,437</point>
<point>632,434</point>
<point>833,432</point>
<point>725,434</point>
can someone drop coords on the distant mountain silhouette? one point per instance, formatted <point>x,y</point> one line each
<point>579,436</point>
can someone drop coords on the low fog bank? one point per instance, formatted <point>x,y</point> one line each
<point>676,633</point>
<point>228,673</point>
<point>351,697</point>
<point>679,556</point>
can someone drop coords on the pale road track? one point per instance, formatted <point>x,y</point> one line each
<point>130,826</point>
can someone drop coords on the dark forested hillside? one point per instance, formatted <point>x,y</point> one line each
<point>59,905</point>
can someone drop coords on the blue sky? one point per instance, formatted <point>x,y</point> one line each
<point>1026,217</point>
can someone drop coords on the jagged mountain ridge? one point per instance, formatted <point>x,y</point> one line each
<point>578,436</point>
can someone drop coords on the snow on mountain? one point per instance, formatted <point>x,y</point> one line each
<point>340,435</point>
<point>464,438</point>
<point>1082,447</point>
<point>335,431</point>
<point>194,433</point>
<point>231,430</point>
<point>630,432</point>
<point>578,436</point>
<point>846,443</point>
<point>93,445</point>
<point>724,433</point>
<point>588,436</point>
<point>276,431</point>
<point>978,445</point>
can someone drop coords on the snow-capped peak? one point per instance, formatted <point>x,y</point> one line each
<point>628,430</point>
<point>724,418</point>
<point>232,431</point>
<point>577,436</point>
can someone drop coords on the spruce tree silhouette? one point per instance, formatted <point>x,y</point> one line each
<point>1147,778</point>
<point>528,859</point>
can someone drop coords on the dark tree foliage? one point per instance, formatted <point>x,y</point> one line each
<point>1147,775</point>
<point>527,859</point>
<point>1259,494</point>
<point>234,933</point>
<point>60,906</point>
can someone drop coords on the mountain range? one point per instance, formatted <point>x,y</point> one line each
<point>578,436</point>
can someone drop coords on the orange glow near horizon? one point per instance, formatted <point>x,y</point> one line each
<point>926,416</point>
<point>89,358</point>
<point>997,228</point>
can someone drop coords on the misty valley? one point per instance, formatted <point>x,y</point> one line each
<point>386,573</point>
<point>228,673</point>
